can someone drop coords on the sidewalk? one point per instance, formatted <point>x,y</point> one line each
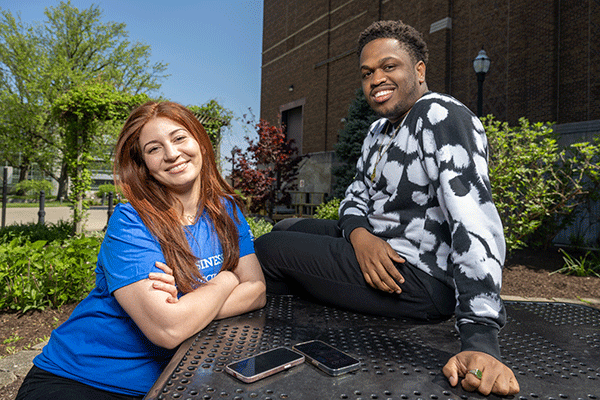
<point>96,219</point>
<point>18,365</point>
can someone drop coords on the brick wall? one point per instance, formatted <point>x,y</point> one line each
<point>545,57</point>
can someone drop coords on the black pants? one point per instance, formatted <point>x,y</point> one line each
<point>310,257</point>
<point>42,385</point>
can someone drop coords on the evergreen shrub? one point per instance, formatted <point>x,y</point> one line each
<point>348,149</point>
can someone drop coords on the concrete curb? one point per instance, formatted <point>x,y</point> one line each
<point>581,301</point>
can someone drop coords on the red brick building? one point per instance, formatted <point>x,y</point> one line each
<point>545,62</point>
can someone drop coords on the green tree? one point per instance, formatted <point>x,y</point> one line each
<point>214,117</point>
<point>80,110</point>
<point>19,97</point>
<point>347,150</point>
<point>40,63</point>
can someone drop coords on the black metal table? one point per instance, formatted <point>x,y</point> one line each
<point>553,349</point>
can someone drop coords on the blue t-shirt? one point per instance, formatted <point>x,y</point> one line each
<point>100,345</point>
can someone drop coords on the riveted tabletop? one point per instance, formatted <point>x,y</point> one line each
<point>553,349</point>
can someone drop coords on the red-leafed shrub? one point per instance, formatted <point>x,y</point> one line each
<point>266,171</point>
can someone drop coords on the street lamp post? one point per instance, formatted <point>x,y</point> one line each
<point>481,65</point>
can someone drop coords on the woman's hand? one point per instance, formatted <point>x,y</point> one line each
<point>169,324</point>
<point>250,294</point>
<point>164,282</point>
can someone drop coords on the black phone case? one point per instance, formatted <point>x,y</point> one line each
<point>317,358</point>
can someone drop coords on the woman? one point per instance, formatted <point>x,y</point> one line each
<point>182,218</point>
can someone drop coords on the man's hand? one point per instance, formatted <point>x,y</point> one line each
<point>376,259</point>
<point>496,377</point>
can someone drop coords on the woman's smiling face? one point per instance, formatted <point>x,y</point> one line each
<point>172,155</point>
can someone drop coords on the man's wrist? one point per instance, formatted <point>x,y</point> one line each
<point>479,337</point>
<point>350,223</point>
<point>356,232</point>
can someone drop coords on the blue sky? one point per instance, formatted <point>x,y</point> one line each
<point>213,48</point>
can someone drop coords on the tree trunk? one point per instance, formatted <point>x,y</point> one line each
<point>63,183</point>
<point>23,174</point>
<point>78,210</point>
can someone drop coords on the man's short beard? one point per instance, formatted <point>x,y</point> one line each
<point>394,114</point>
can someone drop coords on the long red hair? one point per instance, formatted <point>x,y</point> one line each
<point>159,209</point>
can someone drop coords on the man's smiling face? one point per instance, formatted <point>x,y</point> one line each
<point>391,80</point>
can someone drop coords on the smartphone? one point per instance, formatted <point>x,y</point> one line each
<point>261,365</point>
<point>327,358</point>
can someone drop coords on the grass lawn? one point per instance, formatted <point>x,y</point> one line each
<point>37,204</point>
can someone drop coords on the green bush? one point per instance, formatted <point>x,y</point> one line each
<point>33,187</point>
<point>259,226</point>
<point>105,189</point>
<point>33,232</point>
<point>536,185</point>
<point>40,274</point>
<point>328,210</point>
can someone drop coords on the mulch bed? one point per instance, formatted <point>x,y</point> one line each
<point>529,274</point>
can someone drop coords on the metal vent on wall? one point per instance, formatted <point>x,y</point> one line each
<point>553,349</point>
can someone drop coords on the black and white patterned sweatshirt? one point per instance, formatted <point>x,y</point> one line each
<point>430,199</point>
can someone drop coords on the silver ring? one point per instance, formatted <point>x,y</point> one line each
<point>477,372</point>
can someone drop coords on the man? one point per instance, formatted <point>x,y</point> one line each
<point>418,234</point>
